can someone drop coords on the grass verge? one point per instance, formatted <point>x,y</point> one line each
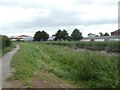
<point>3,51</point>
<point>86,69</point>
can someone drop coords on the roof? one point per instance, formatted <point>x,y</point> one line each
<point>20,37</point>
<point>117,31</point>
<point>23,36</point>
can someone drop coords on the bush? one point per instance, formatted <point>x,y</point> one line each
<point>6,42</point>
<point>0,42</point>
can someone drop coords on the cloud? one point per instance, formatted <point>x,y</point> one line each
<point>25,15</point>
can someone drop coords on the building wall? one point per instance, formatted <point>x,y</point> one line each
<point>28,39</point>
<point>115,33</point>
<point>22,38</point>
<point>86,40</point>
<point>99,40</point>
<point>114,39</point>
<point>13,39</point>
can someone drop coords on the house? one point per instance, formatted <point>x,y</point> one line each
<point>115,36</point>
<point>51,38</point>
<point>21,38</point>
<point>102,38</point>
<point>115,33</point>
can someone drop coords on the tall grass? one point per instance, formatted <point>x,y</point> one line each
<point>86,68</point>
<point>108,46</point>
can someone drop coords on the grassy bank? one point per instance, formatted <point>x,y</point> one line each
<point>107,46</point>
<point>86,69</point>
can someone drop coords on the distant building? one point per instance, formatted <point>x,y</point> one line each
<point>115,36</point>
<point>21,38</point>
<point>115,33</point>
<point>51,38</point>
<point>102,38</point>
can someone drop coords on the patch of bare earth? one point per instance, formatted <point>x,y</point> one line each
<point>41,79</point>
<point>36,83</point>
<point>14,84</point>
<point>47,80</point>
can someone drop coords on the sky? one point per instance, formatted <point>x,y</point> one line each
<point>25,17</point>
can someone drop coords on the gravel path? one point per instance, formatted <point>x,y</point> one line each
<point>5,71</point>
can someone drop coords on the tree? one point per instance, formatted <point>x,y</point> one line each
<point>44,36</point>
<point>90,35</point>
<point>97,36</point>
<point>6,42</point>
<point>37,36</point>
<point>101,34</point>
<point>64,34</point>
<point>106,34</point>
<point>76,35</point>
<point>58,35</point>
<point>41,36</point>
<point>69,38</point>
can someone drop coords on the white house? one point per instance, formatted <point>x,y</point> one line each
<point>51,38</point>
<point>21,38</point>
<point>102,38</point>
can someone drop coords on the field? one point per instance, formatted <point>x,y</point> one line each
<point>63,65</point>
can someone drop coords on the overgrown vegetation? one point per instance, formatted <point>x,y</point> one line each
<point>7,49</point>
<point>5,45</point>
<point>89,69</point>
<point>108,46</point>
<point>0,46</point>
<point>6,42</point>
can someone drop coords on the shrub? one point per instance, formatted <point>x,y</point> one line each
<point>6,42</point>
<point>0,42</point>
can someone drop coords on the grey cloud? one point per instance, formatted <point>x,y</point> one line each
<point>57,17</point>
<point>111,2</point>
<point>21,3</point>
<point>84,1</point>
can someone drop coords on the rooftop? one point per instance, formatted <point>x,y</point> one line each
<point>116,31</point>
